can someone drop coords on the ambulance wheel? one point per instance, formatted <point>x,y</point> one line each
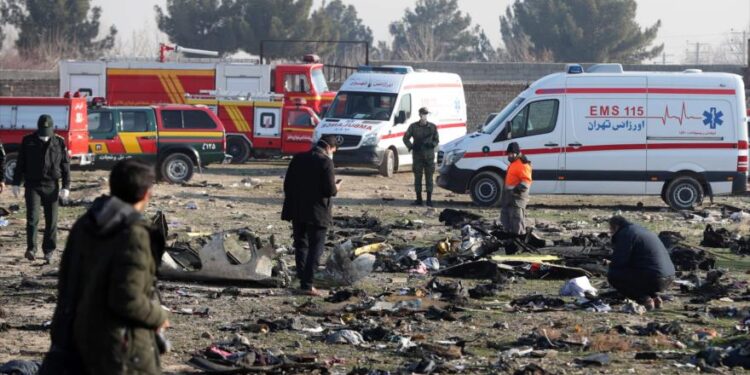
<point>177,168</point>
<point>684,193</point>
<point>486,189</point>
<point>388,164</point>
<point>239,149</point>
<point>10,166</point>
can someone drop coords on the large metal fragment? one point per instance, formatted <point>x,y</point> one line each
<point>216,266</point>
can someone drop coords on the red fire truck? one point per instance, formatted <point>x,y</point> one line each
<point>136,83</point>
<point>18,117</point>
<point>262,126</point>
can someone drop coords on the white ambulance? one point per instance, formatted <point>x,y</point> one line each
<point>679,135</point>
<point>375,106</point>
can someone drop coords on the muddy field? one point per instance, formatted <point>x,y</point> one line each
<point>477,335</point>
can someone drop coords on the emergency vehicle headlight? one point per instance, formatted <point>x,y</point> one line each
<point>452,157</point>
<point>371,139</point>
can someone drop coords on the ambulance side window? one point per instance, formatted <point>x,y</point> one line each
<point>536,118</point>
<point>405,105</point>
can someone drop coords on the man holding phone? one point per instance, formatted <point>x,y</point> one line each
<point>309,185</point>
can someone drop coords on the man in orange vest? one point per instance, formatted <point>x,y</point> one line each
<point>516,194</point>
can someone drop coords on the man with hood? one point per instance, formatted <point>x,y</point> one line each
<point>426,139</point>
<point>42,162</point>
<point>309,185</point>
<point>640,267</point>
<point>516,191</point>
<point>107,315</point>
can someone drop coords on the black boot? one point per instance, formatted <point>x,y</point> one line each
<point>418,202</point>
<point>429,198</point>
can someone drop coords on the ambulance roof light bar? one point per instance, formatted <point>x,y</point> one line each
<point>573,68</point>
<point>397,69</point>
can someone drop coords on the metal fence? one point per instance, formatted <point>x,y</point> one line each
<point>338,73</point>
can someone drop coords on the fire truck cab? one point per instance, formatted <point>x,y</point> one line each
<point>262,125</point>
<point>137,83</point>
<point>18,118</point>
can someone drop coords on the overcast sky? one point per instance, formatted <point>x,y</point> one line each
<point>684,22</point>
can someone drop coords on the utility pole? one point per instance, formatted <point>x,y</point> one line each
<point>696,53</point>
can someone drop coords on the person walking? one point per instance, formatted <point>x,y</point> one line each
<point>425,140</point>
<point>107,316</point>
<point>516,191</point>
<point>42,162</point>
<point>309,185</point>
<point>640,268</point>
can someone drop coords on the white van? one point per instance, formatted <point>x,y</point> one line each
<point>375,106</point>
<point>678,135</point>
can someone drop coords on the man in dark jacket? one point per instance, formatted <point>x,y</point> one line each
<point>426,139</point>
<point>308,187</point>
<point>107,315</point>
<point>640,267</point>
<point>42,162</point>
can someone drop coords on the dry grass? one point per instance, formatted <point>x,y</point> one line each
<point>610,342</point>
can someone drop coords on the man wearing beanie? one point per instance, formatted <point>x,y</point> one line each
<point>516,194</point>
<point>42,162</point>
<point>309,185</point>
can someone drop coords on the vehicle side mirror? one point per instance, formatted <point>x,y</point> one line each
<point>400,118</point>
<point>504,134</point>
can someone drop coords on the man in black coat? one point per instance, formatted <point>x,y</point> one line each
<point>308,187</point>
<point>42,163</point>
<point>641,266</point>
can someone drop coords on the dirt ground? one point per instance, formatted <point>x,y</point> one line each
<point>27,294</point>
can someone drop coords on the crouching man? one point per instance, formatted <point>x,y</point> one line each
<point>107,316</point>
<point>640,267</point>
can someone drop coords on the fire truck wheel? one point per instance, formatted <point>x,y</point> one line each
<point>10,166</point>
<point>239,149</point>
<point>486,189</point>
<point>684,193</point>
<point>177,168</point>
<point>388,164</point>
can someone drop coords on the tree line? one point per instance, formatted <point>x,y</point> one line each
<point>433,30</point>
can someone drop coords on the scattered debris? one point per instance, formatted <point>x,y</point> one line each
<point>578,287</point>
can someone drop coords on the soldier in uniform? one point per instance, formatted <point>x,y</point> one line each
<point>42,162</point>
<point>425,139</point>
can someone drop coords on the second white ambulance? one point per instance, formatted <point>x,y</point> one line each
<point>679,135</point>
<point>375,106</point>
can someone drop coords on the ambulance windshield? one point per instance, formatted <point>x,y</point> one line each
<point>362,105</point>
<point>500,119</point>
